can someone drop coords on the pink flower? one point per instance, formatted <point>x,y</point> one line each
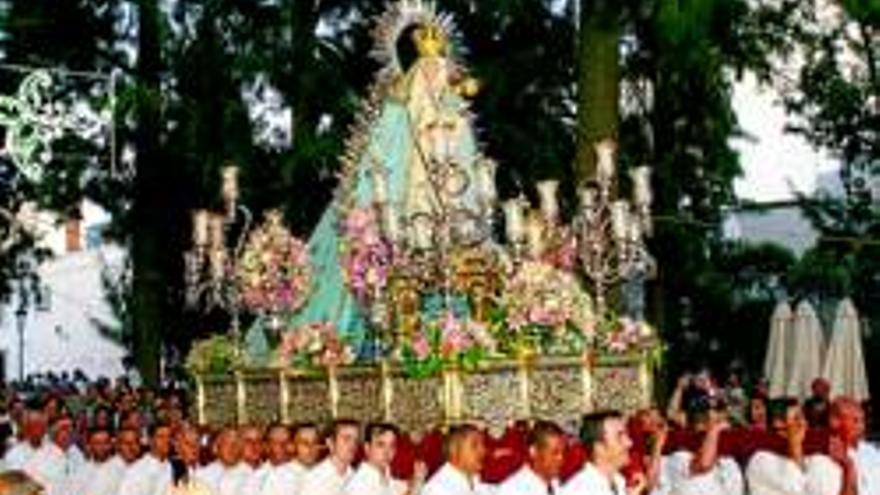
<point>449,323</point>
<point>455,342</point>
<point>358,219</point>
<point>421,347</point>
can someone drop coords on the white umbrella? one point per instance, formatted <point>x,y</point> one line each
<point>777,360</point>
<point>845,364</point>
<point>807,348</point>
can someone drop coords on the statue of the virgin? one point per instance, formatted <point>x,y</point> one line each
<point>412,154</point>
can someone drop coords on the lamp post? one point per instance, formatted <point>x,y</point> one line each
<point>21,314</point>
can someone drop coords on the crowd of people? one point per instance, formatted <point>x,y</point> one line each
<point>106,438</point>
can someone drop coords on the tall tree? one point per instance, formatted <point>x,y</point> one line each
<point>149,216</point>
<point>599,46</point>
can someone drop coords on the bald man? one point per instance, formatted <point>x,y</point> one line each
<point>859,460</point>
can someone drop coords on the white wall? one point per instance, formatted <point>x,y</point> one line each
<point>62,336</point>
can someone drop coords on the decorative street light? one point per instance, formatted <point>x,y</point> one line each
<point>21,314</point>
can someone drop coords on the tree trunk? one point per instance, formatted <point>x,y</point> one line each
<point>598,81</point>
<point>303,23</point>
<point>148,248</point>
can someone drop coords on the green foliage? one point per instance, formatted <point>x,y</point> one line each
<point>215,355</point>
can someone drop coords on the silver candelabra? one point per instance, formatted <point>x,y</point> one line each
<point>210,264</point>
<point>611,231</point>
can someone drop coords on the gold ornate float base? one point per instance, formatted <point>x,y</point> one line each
<point>556,388</point>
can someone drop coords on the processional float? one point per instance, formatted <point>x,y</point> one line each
<point>406,304</point>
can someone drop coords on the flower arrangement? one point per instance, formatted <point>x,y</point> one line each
<point>562,250</point>
<point>545,309</point>
<point>216,354</point>
<point>621,336</point>
<point>366,257</point>
<point>274,273</point>
<point>314,345</point>
<point>446,341</point>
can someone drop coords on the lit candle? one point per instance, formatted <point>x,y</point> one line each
<point>513,216</point>
<point>605,160</point>
<point>200,227</point>
<point>215,229</point>
<point>392,223</point>
<point>641,177</point>
<point>635,231</point>
<point>486,180</point>
<point>535,235</point>
<point>229,187</point>
<point>421,234</point>
<point>547,190</point>
<point>587,197</point>
<point>218,263</point>
<point>380,187</point>
<point>619,219</point>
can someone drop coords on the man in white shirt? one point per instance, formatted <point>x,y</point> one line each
<point>226,475</point>
<point>56,464</point>
<point>128,446</point>
<point>306,444</point>
<point>791,472</point>
<point>34,427</point>
<point>252,450</point>
<point>373,476</point>
<point>331,474</point>
<point>283,476</point>
<point>151,473</point>
<point>540,475</point>
<point>102,472</point>
<point>859,460</point>
<point>466,451</point>
<point>605,437</point>
<point>706,471</point>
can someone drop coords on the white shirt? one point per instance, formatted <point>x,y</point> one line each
<point>526,482</point>
<point>368,480</point>
<point>725,478</point>
<point>590,481</point>
<point>18,455</point>
<point>47,467</point>
<point>325,479</point>
<point>449,480</point>
<point>99,478</point>
<point>253,479</point>
<point>867,460</point>
<point>285,479</point>
<point>223,480</point>
<point>771,474</point>
<point>147,476</point>
<point>191,487</point>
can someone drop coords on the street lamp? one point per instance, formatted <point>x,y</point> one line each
<point>21,318</point>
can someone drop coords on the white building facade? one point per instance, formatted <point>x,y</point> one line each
<point>58,331</point>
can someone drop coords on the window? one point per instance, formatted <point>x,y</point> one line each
<point>95,236</point>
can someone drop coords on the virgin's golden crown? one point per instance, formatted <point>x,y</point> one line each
<point>430,41</point>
